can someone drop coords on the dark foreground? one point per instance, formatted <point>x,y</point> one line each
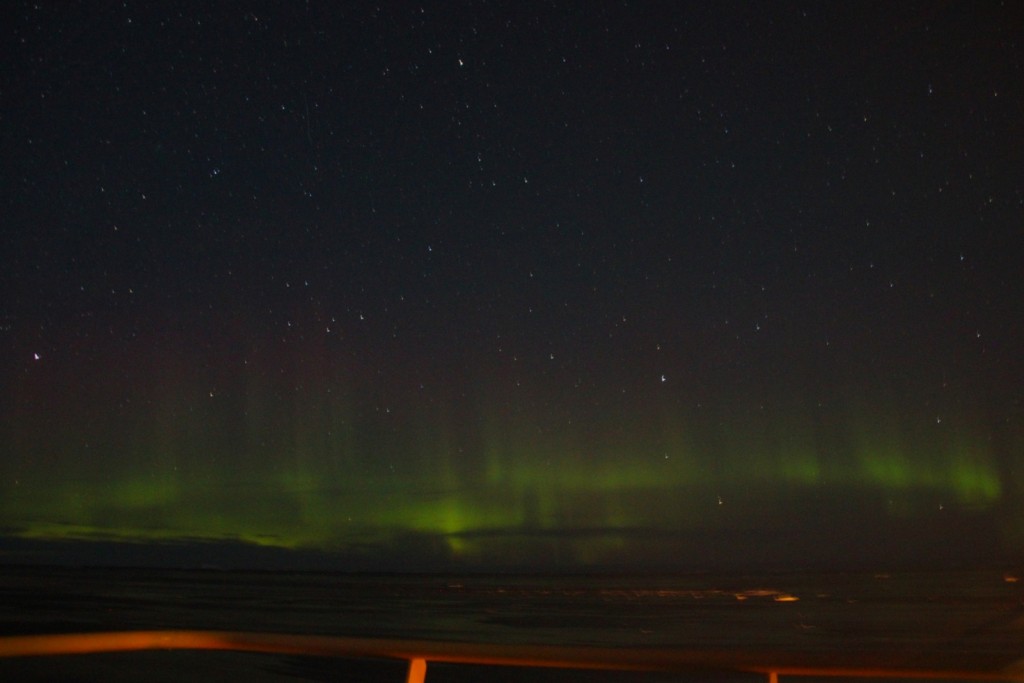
<point>954,621</point>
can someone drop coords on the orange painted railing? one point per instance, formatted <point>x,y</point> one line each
<point>419,652</point>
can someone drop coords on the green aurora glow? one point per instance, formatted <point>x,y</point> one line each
<point>310,471</point>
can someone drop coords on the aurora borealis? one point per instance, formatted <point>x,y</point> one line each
<point>505,286</point>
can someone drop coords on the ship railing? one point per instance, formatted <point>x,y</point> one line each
<point>419,653</point>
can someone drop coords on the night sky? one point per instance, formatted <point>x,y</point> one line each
<point>512,285</point>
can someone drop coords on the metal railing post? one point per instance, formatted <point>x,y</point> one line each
<point>417,670</point>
